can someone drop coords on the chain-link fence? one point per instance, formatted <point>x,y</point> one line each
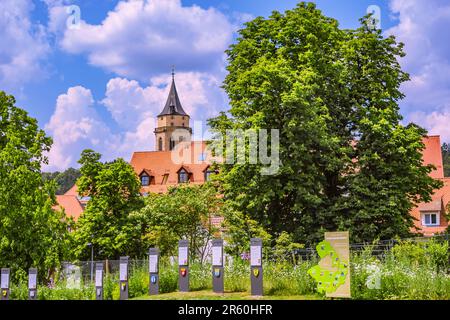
<point>75,273</point>
<point>80,272</point>
<point>377,249</point>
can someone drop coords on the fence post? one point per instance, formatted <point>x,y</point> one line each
<point>107,266</point>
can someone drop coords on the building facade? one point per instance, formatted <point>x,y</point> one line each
<point>430,218</point>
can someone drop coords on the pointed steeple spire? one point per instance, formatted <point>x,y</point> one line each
<point>173,104</point>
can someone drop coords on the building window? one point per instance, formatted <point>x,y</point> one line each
<point>430,219</point>
<point>181,139</point>
<point>171,117</point>
<point>160,144</point>
<point>145,180</point>
<point>171,124</point>
<point>183,117</point>
<point>172,144</point>
<point>183,124</point>
<point>183,176</point>
<point>208,174</point>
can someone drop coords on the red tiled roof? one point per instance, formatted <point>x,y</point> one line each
<point>71,205</point>
<point>72,191</point>
<point>162,163</point>
<point>432,154</point>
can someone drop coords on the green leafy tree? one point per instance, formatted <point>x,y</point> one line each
<point>346,160</point>
<point>113,188</point>
<point>64,180</point>
<point>239,228</point>
<point>183,213</point>
<point>31,233</point>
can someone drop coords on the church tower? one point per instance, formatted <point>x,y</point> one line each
<point>173,123</point>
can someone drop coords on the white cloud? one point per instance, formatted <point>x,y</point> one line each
<point>423,27</point>
<point>128,102</point>
<point>436,122</point>
<point>23,45</point>
<point>76,124</point>
<point>141,38</point>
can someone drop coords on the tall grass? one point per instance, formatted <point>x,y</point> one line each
<point>410,271</point>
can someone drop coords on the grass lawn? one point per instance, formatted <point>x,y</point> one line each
<point>208,295</point>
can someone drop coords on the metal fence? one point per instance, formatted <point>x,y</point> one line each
<point>378,249</point>
<point>75,273</point>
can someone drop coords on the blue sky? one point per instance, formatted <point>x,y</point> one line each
<point>99,85</point>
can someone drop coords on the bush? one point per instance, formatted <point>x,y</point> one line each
<point>168,277</point>
<point>138,283</point>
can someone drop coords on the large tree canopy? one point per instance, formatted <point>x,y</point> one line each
<point>31,233</point>
<point>346,160</point>
<point>106,223</point>
<point>64,180</point>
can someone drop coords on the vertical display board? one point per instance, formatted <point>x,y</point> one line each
<point>183,265</point>
<point>332,274</point>
<point>256,268</point>
<point>123,278</point>
<point>32,284</point>
<point>4,283</point>
<point>99,281</point>
<point>153,268</point>
<point>217,266</point>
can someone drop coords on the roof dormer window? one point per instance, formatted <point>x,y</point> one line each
<point>430,219</point>
<point>145,180</point>
<point>183,176</point>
